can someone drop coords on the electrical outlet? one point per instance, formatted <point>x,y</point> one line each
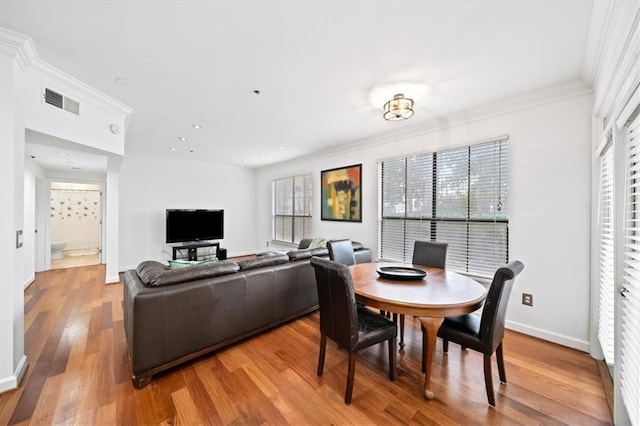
<point>527,299</point>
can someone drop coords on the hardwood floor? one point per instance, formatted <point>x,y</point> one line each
<point>79,373</point>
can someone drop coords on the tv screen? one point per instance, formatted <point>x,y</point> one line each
<point>194,225</point>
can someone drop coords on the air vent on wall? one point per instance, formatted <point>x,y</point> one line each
<point>62,102</point>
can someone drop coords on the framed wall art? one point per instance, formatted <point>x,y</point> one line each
<point>341,194</point>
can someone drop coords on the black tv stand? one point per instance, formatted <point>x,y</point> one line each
<point>192,250</point>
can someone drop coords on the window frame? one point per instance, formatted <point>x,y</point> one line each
<point>409,224</point>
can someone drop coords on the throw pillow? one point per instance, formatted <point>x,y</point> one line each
<point>181,263</point>
<point>318,243</point>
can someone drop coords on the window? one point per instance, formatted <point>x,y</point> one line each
<point>292,208</point>
<point>458,196</point>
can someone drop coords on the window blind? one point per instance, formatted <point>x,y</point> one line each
<point>292,208</point>
<point>458,196</point>
<point>630,306</point>
<point>606,260</point>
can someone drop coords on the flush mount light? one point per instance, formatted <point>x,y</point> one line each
<point>399,108</point>
<point>183,139</point>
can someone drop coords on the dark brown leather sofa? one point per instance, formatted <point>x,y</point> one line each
<point>174,315</point>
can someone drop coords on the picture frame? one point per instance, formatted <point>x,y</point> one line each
<point>341,194</point>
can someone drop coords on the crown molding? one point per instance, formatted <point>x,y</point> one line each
<point>615,74</point>
<point>602,17</point>
<point>547,95</point>
<point>24,50</point>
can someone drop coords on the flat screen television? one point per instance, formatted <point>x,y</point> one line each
<point>194,225</point>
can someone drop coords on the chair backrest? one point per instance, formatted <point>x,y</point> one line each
<point>338,309</point>
<point>428,253</point>
<point>495,306</point>
<point>341,251</point>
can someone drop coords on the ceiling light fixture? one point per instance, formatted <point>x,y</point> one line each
<point>399,108</point>
<point>183,139</point>
<point>196,126</point>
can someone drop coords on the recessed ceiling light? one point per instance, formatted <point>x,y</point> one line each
<point>172,148</point>
<point>75,168</point>
<point>244,161</point>
<point>196,126</point>
<point>62,154</point>
<point>124,81</point>
<point>281,147</point>
<point>183,139</point>
<point>192,150</point>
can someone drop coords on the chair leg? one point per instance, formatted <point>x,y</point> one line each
<point>323,349</point>
<point>350,377</point>
<point>392,359</point>
<point>445,345</point>
<point>402,330</point>
<point>488,381</point>
<point>503,375</point>
<point>424,348</point>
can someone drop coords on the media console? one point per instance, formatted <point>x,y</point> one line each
<point>192,252</point>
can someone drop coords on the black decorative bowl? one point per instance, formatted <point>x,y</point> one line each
<point>401,273</point>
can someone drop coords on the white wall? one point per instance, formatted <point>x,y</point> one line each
<point>549,178</point>
<point>150,186</point>
<point>31,173</point>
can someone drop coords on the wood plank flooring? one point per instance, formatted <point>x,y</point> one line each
<point>79,374</point>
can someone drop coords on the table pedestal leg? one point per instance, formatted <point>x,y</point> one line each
<point>430,333</point>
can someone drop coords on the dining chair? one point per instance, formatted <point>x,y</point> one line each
<point>426,253</point>
<point>485,333</point>
<point>350,326</point>
<point>341,251</point>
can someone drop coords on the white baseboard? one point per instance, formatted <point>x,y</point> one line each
<point>29,281</point>
<point>581,345</point>
<point>12,382</point>
<point>112,280</point>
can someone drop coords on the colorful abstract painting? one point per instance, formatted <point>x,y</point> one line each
<point>342,194</point>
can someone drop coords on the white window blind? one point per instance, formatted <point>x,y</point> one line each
<point>630,307</point>
<point>457,196</point>
<point>606,261</point>
<point>292,208</point>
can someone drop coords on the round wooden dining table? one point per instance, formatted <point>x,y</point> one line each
<point>439,294</point>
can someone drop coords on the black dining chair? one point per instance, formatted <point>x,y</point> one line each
<point>426,253</point>
<point>350,326</point>
<point>341,251</point>
<point>485,333</point>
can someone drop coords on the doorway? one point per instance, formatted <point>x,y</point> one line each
<point>75,224</point>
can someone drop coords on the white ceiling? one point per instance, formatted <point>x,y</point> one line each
<point>316,64</point>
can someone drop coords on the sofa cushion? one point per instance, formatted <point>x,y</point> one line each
<point>150,270</point>
<point>319,251</point>
<point>263,261</point>
<point>299,255</point>
<point>155,274</point>
<point>304,243</point>
<point>356,245</point>
<point>181,263</point>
